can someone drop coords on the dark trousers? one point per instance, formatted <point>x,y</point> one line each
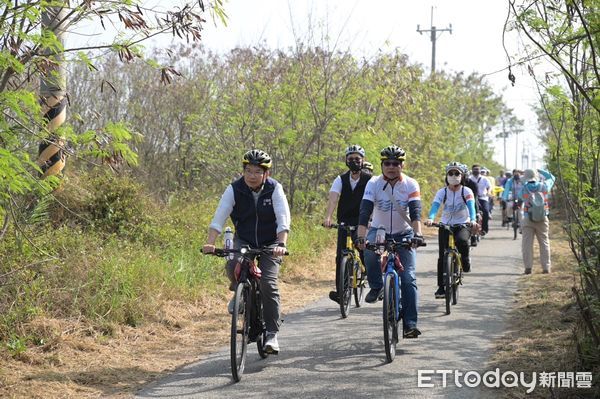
<point>485,213</point>
<point>461,239</point>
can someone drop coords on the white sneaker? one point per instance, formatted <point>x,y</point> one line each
<point>231,304</point>
<point>271,344</point>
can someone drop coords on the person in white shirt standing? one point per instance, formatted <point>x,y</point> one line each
<point>394,201</point>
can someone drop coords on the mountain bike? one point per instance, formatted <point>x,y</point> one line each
<point>452,269</point>
<point>247,322</point>
<point>391,266</point>
<point>351,276</point>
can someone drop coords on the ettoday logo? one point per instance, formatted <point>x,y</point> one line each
<point>507,379</point>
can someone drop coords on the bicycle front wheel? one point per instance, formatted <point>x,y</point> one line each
<point>360,282</point>
<point>390,324</point>
<point>515,224</point>
<point>448,280</point>
<point>239,331</point>
<point>344,284</point>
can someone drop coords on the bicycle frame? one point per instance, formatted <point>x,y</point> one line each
<point>351,250</point>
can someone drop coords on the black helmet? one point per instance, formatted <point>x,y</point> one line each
<point>258,158</point>
<point>393,152</point>
<point>355,149</point>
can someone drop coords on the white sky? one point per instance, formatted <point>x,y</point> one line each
<point>365,26</point>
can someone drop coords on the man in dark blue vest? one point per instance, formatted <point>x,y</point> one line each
<point>346,193</point>
<point>260,213</point>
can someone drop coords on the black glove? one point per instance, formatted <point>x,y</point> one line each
<point>417,240</point>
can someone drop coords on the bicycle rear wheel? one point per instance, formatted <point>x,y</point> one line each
<point>239,331</point>
<point>456,279</point>
<point>344,284</point>
<point>390,324</point>
<point>360,279</point>
<point>448,280</point>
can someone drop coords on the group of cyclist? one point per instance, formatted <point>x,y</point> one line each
<point>260,213</point>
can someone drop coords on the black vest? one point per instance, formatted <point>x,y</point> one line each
<point>254,223</point>
<point>349,203</point>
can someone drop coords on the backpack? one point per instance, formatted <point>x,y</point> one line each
<point>537,205</point>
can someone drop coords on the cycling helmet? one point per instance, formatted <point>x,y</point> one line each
<point>367,166</point>
<point>393,152</point>
<point>455,166</point>
<point>258,158</point>
<point>355,149</point>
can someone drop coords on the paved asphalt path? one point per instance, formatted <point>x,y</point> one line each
<point>325,356</point>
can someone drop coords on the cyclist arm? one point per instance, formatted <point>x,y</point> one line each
<point>414,210</point>
<point>282,214</point>
<point>331,205</point>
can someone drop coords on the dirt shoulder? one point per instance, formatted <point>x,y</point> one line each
<point>83,362</point>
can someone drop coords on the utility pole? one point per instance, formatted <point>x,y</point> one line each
<point>434,32</point>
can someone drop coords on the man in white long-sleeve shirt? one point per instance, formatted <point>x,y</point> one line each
<point>260,213</point>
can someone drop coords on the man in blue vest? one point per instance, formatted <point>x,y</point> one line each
<point>260,213</point>
<point>346,193</point>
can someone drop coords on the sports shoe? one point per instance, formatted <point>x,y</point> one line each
<point>473,241</point>
<point>271,344</point>
<point>527,271</point>
<point>412,332</point>
<point>440,293</point>
<point>374,295</point>
<point>467,267</point>
<point>333,295</point>
<point>545,271</point>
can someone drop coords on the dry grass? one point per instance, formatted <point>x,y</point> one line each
<point>79,361</point>
<point>542,323</point>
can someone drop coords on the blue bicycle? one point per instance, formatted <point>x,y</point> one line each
<point>392,305</point>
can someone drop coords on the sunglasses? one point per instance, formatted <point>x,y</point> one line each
<point>353,159</point>
<point>454,173</point>
<point>391,163</point>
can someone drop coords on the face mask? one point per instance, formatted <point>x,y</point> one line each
<point>454,180</point>
<point>354,166</point>
<point>517,177</point>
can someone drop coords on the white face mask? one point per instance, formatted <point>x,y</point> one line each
<point>454,180</point>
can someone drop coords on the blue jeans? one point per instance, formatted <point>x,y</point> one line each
<point>408,278</point>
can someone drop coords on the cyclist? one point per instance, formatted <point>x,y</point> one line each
<point>458,204</point>
<point>260,213</point>
<point>483,191</point>
<point>512,187</point>
<point>485,172</point>
<point>394,200</point>
<point>346,193</point>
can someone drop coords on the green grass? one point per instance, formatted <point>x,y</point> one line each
<point>105,275</point>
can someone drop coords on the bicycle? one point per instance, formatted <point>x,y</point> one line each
<point>516,217</point>
<point>351,273</point>
<point>452,269</point>
<point>247,322</point>
<point>392,305</point>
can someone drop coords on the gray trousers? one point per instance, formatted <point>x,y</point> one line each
<point>538,230</point>
<point>269,267</point>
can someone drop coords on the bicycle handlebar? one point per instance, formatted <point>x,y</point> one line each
<point>342,225</point>
<point>245,250</point>
<point>449,226</point>
<point>393,244</point>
